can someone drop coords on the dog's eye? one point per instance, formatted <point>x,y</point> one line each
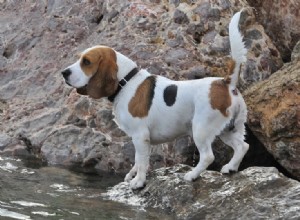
<point>86,62</point>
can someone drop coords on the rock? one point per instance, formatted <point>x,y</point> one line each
<point>4,140</point>
<point>70,144</point>
<point>255,193</point>
<point>274,115</point>
<point>180,17</point>
<point>284,28</point>
<point>18,150</point>
<point>296,52</point>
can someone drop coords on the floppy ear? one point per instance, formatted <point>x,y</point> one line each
<point>104,82</point>
<point>82,90</point>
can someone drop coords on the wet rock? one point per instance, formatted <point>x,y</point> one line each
<point>17,150</point>
<point>273,115</point>
<point>4,140</point>
<point>257,192</point>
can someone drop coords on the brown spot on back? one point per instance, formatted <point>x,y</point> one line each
<point>219,96</point>
<point>140,104</point>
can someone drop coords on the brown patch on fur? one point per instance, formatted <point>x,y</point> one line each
<point>140,104</point>
<point>227,79</point>
<point>230,68</point>
<point>82,90</point>
<point>219,96</point>
<point>225,70</point>
<point>101,64</point>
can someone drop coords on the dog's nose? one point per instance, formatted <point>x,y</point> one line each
<point>66,73</point>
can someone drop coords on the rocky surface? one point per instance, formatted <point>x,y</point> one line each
<point>281,22</point>
<point>296,52</point>
<point>255,193</point>
<point>42,116</point>
<point>274,115</point>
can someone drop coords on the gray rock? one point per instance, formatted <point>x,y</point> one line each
<point>180,17</point>
<point>4,140</point>
<point>253,35</point>
<point>255,193</point>
<point>296,52</point>
<point>70,145</point>
<point>174,55</point>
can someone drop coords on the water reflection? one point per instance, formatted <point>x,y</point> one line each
<point>41,192</point>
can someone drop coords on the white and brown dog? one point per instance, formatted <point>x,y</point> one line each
<point>152,109</point>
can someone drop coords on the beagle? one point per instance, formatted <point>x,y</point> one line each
<point>152,109</point>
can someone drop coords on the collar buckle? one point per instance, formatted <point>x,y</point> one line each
<point>123,82</point>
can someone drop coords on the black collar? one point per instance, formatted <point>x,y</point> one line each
<point>123,82</point>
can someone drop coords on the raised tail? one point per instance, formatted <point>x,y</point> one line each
<point>238,50</point>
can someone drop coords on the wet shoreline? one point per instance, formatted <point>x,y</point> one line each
<point>45,192</point>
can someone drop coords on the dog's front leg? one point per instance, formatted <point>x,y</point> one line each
<point>142,153</point>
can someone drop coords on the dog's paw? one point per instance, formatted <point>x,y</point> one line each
<point>128,177</point>
<point>227,169</point>
<point>190,176</point>
<point>137,183</point>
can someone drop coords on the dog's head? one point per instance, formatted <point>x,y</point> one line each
<point>95,73</point>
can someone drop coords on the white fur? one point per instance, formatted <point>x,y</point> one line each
<point>78,78</point>
<point>238,50</point>
<point>191,114</point>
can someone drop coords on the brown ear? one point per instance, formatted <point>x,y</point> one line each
<point>82,90</point>
<point>104,82</point>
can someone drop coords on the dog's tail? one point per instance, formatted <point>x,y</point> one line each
<point>238,50</point>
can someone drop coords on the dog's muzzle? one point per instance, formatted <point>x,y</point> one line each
<point>66,73</point>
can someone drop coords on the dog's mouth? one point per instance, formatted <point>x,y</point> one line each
<point>68,83</point>
<point>82,90</point>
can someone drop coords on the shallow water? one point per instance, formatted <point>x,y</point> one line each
<point>40,192</point>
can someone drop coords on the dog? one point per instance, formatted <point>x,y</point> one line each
<point>152,109</point>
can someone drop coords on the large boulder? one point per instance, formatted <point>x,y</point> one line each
<point>41,115</point>
<point>274,115</point>
<point>255,193</point>
<point>281,22</point>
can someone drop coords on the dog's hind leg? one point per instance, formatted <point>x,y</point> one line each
<point>234,139</point>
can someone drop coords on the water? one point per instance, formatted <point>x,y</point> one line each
<point>28,191</point>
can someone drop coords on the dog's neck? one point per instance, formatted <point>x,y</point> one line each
<point>126,64</point>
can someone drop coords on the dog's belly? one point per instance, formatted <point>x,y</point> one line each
<point>163,138</point>
<point>162,133</point>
